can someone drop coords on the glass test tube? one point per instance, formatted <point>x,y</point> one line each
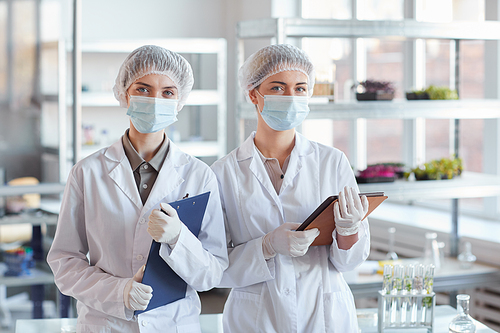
<point>386,289</point>
<point>418,285</point>
<point>397,288</point>
<point>407,289</point>
<point>427,301</point>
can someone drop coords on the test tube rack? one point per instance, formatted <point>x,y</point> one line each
<point>389,319</point>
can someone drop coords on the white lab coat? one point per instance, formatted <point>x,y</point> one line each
<point>285,294</point>
<point>102,217</point>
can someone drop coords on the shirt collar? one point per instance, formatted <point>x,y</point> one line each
<point>136,160</point>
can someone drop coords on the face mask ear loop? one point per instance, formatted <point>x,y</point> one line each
<point>257,105</point>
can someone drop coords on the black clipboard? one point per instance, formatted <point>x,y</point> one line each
<point>167,286</point>
<point>322,218</point>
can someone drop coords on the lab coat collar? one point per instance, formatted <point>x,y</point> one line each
<point>168,178</point>
<point>248,150</point>
<point>120,171</point>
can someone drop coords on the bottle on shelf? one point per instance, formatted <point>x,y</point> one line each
<point>431,251</point>
<point>462,323</point>
<point>466,258</point>
<point>391,255</point>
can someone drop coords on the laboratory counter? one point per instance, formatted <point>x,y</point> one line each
<point>212,323</point>
<point>450,277</point>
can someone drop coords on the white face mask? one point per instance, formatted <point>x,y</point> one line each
<point>149,114</point>
<point>282,112</point>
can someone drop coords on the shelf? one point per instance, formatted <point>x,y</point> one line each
<point>179,45</point>
<point>37,277</point>
<point>397,109</point>
<point>331,28</point>
<point>42,188</point>
<point>36,218</point>
<point>107,99</point>
<point>468,185</point>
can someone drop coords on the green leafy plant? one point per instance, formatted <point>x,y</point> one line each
<point>444,168</point>
<point>433,92</point>
<point>441,92</point>
<point>427,302</point>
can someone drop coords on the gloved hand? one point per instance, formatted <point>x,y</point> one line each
<point>348,211</point>
<point>136,295</point>
<point>164,228</point>
<point>285,240</point>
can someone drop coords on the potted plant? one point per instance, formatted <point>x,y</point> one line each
<point>417,94</point>
<point>444,168</point>
<point>371,90</point>
<point>432,92</point>
<point>380,173</point>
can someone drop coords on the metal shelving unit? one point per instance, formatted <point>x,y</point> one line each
<point>396,109</point>
<point>281,28</point>
<point>36,218</point>
<point>198,97</point>
<point>41,274</point>
<point>469,184</point>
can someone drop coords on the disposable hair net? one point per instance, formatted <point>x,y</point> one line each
<point>271,60</point>
<point>152,59</point>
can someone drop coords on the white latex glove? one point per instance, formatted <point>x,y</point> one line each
<point>348,211</point>
<point>285,240</point>
<point>164,228</point>
<point>136,295</point>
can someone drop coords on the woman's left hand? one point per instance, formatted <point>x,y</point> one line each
<point>165,226</point>
<point>348,211</point>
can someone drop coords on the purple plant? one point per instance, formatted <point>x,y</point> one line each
<point>381,170</point>
<point>372,86</point>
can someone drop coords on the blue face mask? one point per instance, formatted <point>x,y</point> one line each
<point>149,114</point>
<point>282,113</point>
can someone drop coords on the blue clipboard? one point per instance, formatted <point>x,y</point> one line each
<point>167,286</point>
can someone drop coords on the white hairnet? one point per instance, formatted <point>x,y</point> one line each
<point>274,59</point>
<point>152,59</point>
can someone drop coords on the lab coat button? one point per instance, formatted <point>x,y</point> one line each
<point>144,323</point>
<point>142,221</point>
<point>287,291</point>
<point>139,257</point>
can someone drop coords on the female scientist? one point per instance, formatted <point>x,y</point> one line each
<point>277,177</point>
<point>103,235</point>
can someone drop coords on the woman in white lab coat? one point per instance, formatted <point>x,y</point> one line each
<point>268,185</point>
<point>110,210</point>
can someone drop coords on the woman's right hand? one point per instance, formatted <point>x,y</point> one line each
<point>137,295</point>
<point>286,241</point>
